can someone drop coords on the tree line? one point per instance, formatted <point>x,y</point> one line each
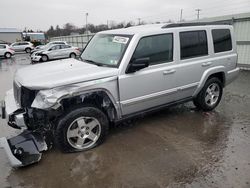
<point>69,28</point>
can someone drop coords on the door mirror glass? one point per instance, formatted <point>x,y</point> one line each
<point>138,64</point>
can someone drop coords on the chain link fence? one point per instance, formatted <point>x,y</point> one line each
<point>79,41</point>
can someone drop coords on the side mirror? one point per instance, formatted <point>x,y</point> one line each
<point>138,64</point>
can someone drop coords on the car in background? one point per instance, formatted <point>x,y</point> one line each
<point>22,46</point>
<point>6,51</point>
<point>59,51</point>
<point>40,47</point>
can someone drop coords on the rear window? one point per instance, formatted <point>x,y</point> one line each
<point>2,46</point>
<point>222,40</point>
<point>193,44</point>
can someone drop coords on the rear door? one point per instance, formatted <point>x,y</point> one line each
<point>152,86</point>
<point>65,51</point>
<point>193,61</point>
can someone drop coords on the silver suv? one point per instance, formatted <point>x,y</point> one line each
<point>121,74</point>
<point>22,46</point>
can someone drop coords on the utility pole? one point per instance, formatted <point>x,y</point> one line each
<point>87,25</point>
<point>139,21</point>
<point>198,13</point>
<point>181,15</point>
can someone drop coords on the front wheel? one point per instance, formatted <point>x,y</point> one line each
<point>81,129</point>
<point>45,58</point>
<point>210,95</point>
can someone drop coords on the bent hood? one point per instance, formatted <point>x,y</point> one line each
<point>61,72</point>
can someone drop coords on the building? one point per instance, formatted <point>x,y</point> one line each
<point>241,23</point>
<point>34,37</point>
<point>10,35</point>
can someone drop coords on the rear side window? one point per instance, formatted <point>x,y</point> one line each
<point>159,48</point>
<point>193,44</point>
<point>222,40</point>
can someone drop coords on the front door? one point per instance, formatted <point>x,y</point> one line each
<point>152,86</point>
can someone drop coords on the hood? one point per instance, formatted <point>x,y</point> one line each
<point>61,72</point>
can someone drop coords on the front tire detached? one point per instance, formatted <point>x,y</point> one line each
<point>210,95</point>
<point>81,129</point>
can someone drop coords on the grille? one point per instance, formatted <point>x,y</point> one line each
<point>17,93</point>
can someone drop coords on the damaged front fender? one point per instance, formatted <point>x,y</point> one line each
<point>24,149</point>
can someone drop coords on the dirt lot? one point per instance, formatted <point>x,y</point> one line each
<point>177,147</point>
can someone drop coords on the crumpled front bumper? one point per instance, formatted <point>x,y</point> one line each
<point>24,149</point>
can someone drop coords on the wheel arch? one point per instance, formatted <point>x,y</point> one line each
<point>100,98</point>
<point>218,72</point>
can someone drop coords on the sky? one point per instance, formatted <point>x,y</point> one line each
<point>41,14</point>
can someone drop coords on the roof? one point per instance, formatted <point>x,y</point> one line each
<point>10,30</point>
<point>158,28</point>
<point>135,29</point>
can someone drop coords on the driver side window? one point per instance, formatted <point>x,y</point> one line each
<point>158,48</point>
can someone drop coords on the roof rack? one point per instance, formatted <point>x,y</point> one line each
<point>186,24</point>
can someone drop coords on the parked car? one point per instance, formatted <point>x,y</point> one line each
<point>6,51</point>
<point>121,74</point>
<point>41,47</point>
<point>22,46</point>
<point>55,52</point>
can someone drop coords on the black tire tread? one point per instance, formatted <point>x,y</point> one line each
<point>60,134</point>
<point>199,101</point>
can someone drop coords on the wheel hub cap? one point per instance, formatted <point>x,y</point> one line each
<point>212,94</point>
<point>83,132</point>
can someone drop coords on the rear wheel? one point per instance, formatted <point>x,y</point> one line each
<point>27,50</point>
<point>7,55</point>
<point>210,96</point>
<point>81,129</point>
<point>72,55</point>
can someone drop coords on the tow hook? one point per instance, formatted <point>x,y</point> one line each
<point>25,148</point>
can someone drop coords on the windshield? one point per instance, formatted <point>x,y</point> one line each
<point>106,49</point>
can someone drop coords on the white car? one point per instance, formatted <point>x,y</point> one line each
<point>22,46</point>
<point>6,51</point>
<point>41,47</point>
<point>55,52</point>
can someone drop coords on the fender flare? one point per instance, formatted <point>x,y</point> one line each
<point>205,76</point>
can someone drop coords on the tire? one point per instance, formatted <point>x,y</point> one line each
<point>72,55</point>
<point>81,129</point>
<point>210,95</point>
<point>44,58</point>
<point>27,50</point>
<point>7,55</point>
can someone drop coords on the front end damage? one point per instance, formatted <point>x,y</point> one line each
<point>37,112</point>
<point>27,147</point>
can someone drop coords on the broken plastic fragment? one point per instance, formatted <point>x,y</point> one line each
<point>24,149</point>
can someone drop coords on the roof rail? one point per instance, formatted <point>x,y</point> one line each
<point>186,24</point>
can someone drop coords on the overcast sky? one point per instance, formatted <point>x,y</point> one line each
<point>41,14</point>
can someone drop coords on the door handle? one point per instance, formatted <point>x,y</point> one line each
<point>206,64</point>
<point>171,71</point>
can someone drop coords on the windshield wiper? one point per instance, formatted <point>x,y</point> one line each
<point>93,62</point>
